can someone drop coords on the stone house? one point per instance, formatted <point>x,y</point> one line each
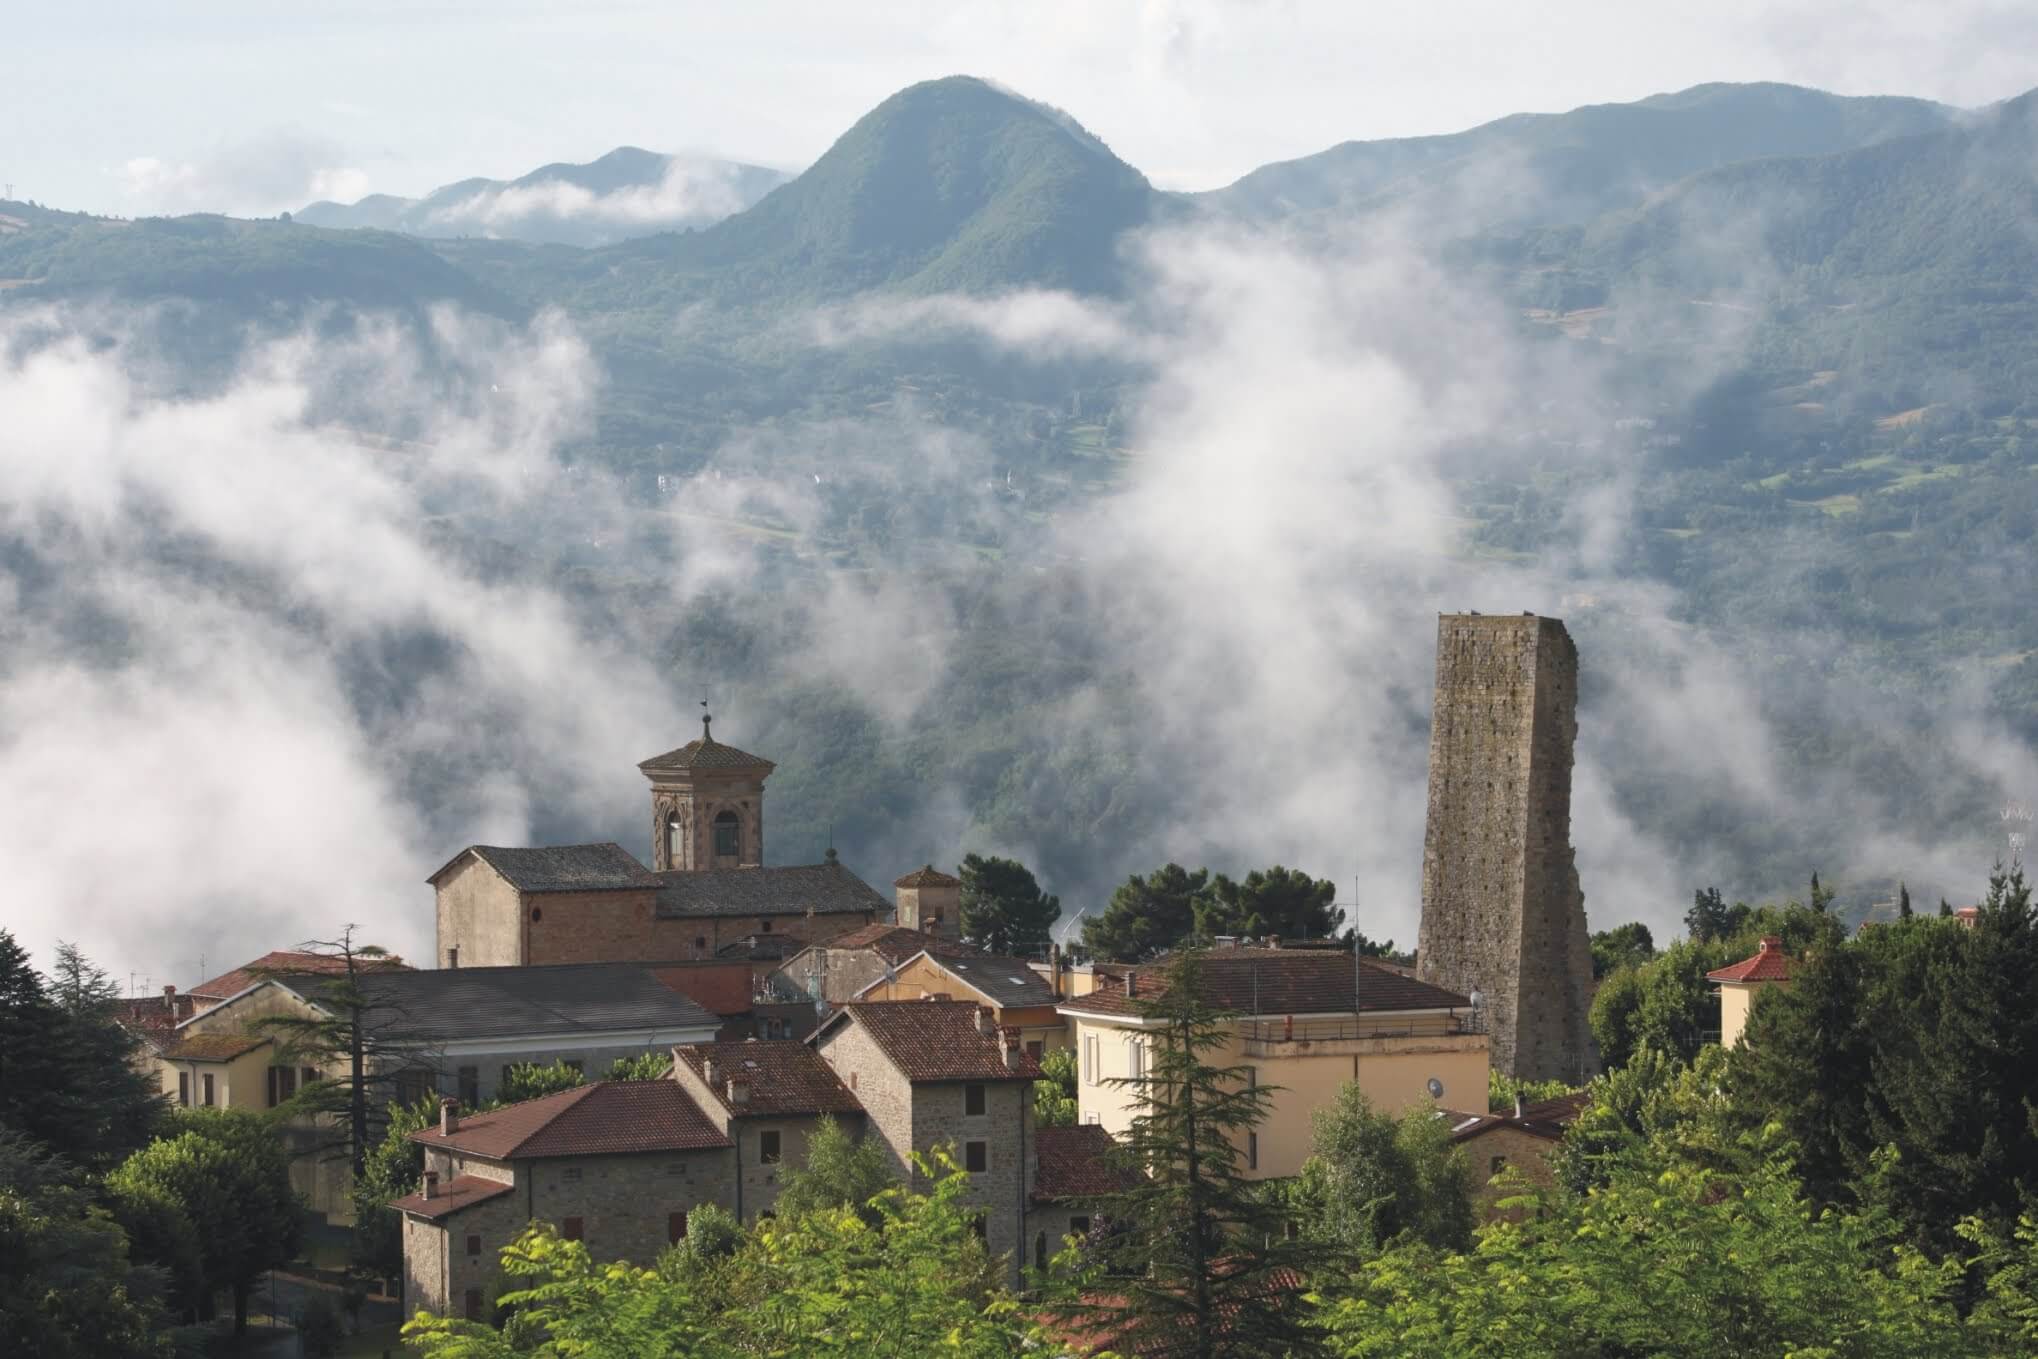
<point>707,891</point>
<point>1306,1021</point>
<point>617,1164</point>
<point>1019,998</point>
<point>729,989</point>
<point>931,1072</point>
<point>1072,1169</point>
<point>1523,1140</point>
<point>766,1098</point>
<point>836,971</point>
<point>1739,984</point>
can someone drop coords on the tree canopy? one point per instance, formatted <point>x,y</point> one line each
<point>1003,908</point>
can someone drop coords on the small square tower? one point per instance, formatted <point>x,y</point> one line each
<point>930,901</point>
<point>707,805</point>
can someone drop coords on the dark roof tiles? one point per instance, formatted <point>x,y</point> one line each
<point>1277,981</point>
<point>462,1191</point>
<point>461,1003</point>
<point>1076,1163</point>
<point>605,867</point>
<point>603,1119</point>
<point>704,752</point>
<point>930,876</point>
<point>896,942</point>
<point>1005,982</point>
<point>785,1077</point>
<point>824,889</point>
<point>293,961</point>
<point>934,1040</point>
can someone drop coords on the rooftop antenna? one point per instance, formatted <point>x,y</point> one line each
<point>1061,933</point>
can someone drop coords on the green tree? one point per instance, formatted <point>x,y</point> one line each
<point>230,1175</point>
<point>1707,918</point>
<point>1504,1091</point>
<point>528,1080</point>
<point>67,1287</point>
<point>1903,901</point>
<point>1628,945</point>
<point>394,1168</point>
<point>841,1172</point>
<point>1054,1094</point>
<point>1149,914</point>
<point>1199,1260</point>
<point>1372,1178</point>
<point>1278,901</point>
<point>1003,908</point>
<point>645,1066</point>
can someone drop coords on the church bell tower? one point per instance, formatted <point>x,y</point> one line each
<point>707,805</point>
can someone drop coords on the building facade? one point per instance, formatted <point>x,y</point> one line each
<point>767,1098</point>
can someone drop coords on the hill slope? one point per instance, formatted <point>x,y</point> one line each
<point>628,192</point>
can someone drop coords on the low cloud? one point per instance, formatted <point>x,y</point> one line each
<point>694,189</point>
<point>257,176</point>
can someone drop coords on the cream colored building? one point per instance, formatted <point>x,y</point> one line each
<point>1308,1022</point>
<point>1739,984</point>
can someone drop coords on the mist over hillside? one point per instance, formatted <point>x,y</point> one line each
<point>1010,504</point>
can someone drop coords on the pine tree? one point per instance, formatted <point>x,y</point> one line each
<point>1197,1259</point>
<point>1903,901</point>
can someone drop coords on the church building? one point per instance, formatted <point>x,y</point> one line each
<point>707,890</point>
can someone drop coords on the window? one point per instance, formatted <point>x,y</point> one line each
<point>728,836</point>
<point>184,1088</point>
<point>973,1101</point>
<point>1135,1059</point>
<point>767,1147</point>
<point>571,1174</point>
<point>470,1086</point>
<point>852,1080</point>
<point>537,914</point>
<point>976,1156</point>
<point>1079,1226</point>
<point>573,1229</point>
<point>1035,1048</point>
<point>1040,1251</point>
<point>700,944</point>
<point>307,1075</point>
<point>453,957</point>
<point>1089,1059</point>
<point>282,1084</point>
<point>1252,1151</point>
<point>413,1085</point>
<point>675,851</point>
<point>474,1304</point>
<point>675,1227</point>
<point>1499,1164</point>
<point>205,1083</point>
<point>473,1244</point>
<point>764,926</point>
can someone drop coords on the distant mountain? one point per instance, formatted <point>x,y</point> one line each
<point>1567,168</point>
<point>951,184</point>
<point>627,193</point>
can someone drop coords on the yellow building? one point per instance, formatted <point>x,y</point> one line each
<point>1017,996</point>
<point>1308,1022</point>
<point>1739,983</point>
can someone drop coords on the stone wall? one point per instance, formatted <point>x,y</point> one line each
<point>1001,1189</point>
<point>1508,1146</point>
<point>625,1203</point>
<point>478,914</point>
<point>1502,910</point>
<point>438,1267</point>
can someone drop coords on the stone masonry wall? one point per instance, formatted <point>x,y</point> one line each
<point>477,914</point>
<point>1002,1188</point>
<point>1502,911</point>
<point>625,1202</point>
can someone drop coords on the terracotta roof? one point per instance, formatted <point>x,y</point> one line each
<point>1275,982</point>
<point>210,1047</point>
<point>1770,963</point>
<point>722,988</point>
<point>933,1040</point>
<point>605,867</point>
<point>1105,1326</point>
<point>786,1077</point>
<point>1075,1163</point>
<point>705,752</point>
<point>896,942</point>
<point>229,984</point>
<point>602,1119</point>
<point>462,1191</point>
<point>150,1018</point>
<point>930,876</point>
<point>1005,982</point>
<point>1548,1119</point>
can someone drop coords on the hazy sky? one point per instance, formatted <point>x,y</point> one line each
<point>134,106</point>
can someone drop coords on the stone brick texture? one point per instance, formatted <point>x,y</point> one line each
<point>1502,909</point>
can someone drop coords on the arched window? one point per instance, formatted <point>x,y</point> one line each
<point>728,836</point>
<point>675,851</point>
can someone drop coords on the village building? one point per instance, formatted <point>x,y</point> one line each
<point>1072,1170</point>
<point>767,1099</point>
<point>1307,1021</point>
<point>730,990</point>
<point>929,1072</point>
<point>836,971</point>
<point>707,893</point>
<point>1523,1140</point>
<point>1737,986</point>
<point>1020,1000</point>
<point>617,1164</point>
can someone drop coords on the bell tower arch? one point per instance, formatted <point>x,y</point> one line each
<point>707,805</point>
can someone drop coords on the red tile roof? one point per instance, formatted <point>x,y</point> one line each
<point>933,1040</point>
<point>1275,982</point>
<point>786,1077</point>
<point>151,1018</point>
<point>896,942</point>
<point>930,876</point>
<point>210,1047</point>
<point>1075,1163</point>
<point>1770,963</point>
<point>602,1119</point>
<point>721,988</point>
<point>462,1191</point>
<point>283,960</point>
<point>1548,1119</point>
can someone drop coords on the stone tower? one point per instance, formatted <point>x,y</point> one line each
<point>707,805</point>
<point>930,901</point>
<point>1502,912</point>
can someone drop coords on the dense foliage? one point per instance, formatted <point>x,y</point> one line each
<point>1003,908</point>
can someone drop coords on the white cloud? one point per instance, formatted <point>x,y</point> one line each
<point>693,189</point>
<point>257,176</point>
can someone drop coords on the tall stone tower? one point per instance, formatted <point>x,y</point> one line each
<point>1502,912</point>
<point>707,805</point>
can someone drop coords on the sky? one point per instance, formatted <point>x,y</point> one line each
<point>132,107</point>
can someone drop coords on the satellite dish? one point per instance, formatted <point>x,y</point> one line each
<point>1436,1088</point>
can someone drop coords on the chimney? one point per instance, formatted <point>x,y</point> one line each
<point>1771,943</point>
<point>1011,1054</point>
<point>1128,986</point>
<point>1519,1106</point>
<point>714,1073</point>
<point>431,1188</point>
<point>1273,941</point>
<point>449,1116</point>
<point>739,1091</point>
<point>170,999</point>
<point>986,1023</point>
<point>1054,969</point>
